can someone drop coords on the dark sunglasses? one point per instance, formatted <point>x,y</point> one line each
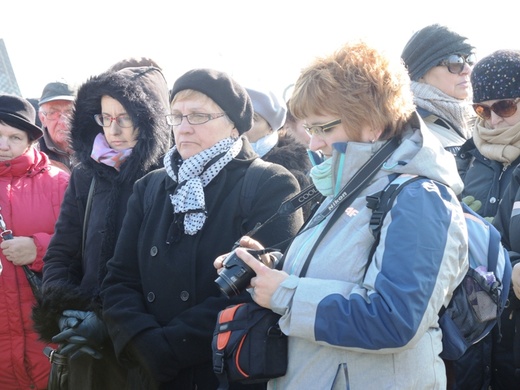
<point>503,108</point>
<point>456,62</point>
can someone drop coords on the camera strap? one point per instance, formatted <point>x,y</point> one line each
<point>345,197</point>
<point>348,192</point>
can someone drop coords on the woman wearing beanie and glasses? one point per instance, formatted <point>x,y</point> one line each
<point>160,298</point>
<point>439,62</point>
<point>486,164</point>
<point>31,192</point>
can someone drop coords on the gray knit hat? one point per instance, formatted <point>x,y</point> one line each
<point>429,46</point>
<point>268,106</point>
<point>497,76</point>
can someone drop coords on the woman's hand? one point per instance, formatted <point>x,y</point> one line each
<point>19,250</point>
<point>266,281</point>
<point>245,242</point>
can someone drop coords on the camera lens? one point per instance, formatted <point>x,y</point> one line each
<point>235,276</point>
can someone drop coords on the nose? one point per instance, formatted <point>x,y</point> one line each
<point>467,69</point>
<point>4,144</point>
<point>114,128</point>
<point>316,143</point>
<point>185,126</point>
<point>495,119</point>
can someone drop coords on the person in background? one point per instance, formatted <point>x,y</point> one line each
<point>131,62</point>
<point>439,62</point>
<point>160,298</point>
<point>119,133</point>
<point>31,191</point>
<point>35,103</point>
<point>294,126</point>
<point>506,351</point>
<point>274,144</point>
<point>55,110</point>
<point>486,163</point>
<point>487,160</point>
<point>353,322</point>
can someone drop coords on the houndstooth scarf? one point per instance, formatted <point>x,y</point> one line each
<point>193,176</point>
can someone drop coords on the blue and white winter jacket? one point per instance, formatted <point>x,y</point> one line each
<point>379,331</point>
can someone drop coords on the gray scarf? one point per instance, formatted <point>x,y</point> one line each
<point>459,113</point>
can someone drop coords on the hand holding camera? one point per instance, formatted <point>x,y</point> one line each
<point>239,269</point>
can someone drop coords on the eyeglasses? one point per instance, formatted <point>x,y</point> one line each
<point>54,115</point>
<point>321,129</point>
<point>122,120</point>
<point>193,119</point>
<point>503,108</point>
<point>456,62</point>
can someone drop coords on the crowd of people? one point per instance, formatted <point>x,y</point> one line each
<point>127,193</point>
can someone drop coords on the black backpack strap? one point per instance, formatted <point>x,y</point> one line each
<point>381,203</point>
<point>250,184</point>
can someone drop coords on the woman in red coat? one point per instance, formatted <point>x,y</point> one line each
<point>31,191</point>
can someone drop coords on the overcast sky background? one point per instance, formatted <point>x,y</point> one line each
<point>258,42</point>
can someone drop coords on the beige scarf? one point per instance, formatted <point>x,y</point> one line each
<point>501,145</point>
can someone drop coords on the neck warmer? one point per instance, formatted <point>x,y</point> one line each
<point>103,153</point>
<point>193,175</point>
<point>501,144</point>
<point>265,144</point>
<point>321,176</point>
<point>459,113</point>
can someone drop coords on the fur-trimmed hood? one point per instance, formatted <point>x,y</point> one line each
<point>143,92</point>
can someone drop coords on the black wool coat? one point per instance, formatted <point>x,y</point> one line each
<point>160,299</point>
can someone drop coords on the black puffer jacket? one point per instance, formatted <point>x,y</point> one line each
<point>506,351</point>
<point>73,273</point>
<point>484,179</point>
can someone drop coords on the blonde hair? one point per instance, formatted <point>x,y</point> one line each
<point>358,84</point>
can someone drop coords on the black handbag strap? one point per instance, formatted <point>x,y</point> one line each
<point>87,213</point>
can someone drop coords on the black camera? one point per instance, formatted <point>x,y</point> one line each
<point>236,275</point>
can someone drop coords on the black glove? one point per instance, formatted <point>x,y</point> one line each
<point>83,331</point>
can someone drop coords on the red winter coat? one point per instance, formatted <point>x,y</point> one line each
<point>31,191</point>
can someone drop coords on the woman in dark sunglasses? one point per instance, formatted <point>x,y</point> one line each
<point>486,163</point>
<point>439,62</point>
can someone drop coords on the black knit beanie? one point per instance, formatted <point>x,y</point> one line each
<point>429,46</point>
<point>223,90</point>
<point>497,76</point>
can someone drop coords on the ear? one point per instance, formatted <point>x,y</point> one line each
<point>41,116</point>
<point>235,133</point>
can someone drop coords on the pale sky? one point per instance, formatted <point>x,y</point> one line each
<point>258,42</point>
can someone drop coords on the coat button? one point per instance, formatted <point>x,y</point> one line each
<point>150,297</point>
<point>154,250</point>
<point>492,200</point>
<point>185,296</point>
